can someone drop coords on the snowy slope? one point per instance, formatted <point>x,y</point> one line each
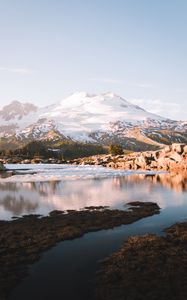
<point>80,117</point>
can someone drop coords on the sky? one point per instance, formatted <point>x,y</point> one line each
<point>50,49</point>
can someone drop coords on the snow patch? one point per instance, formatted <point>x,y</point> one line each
<point>53,172</point>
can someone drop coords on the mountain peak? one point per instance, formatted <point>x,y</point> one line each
<point>83,94</point>
<point>16,110</point>
<point>15,102</point>
<point>102,118</point>
<point>111,95</point>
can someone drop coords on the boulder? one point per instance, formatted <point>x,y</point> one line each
<point>176,157</point>
<point>178,148</point>
<point>185,149</point>
<point>167,149</point>
<point>141,162</point>
<point>2,167</point>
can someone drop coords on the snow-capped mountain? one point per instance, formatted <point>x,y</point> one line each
<point>103,118</point>
<point>16,110</point>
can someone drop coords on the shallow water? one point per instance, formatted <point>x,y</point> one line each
<point>68,270</point>
<point>74,189</point>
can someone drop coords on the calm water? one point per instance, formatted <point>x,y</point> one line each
<point>67,271</point>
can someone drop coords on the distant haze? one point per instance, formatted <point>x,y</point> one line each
<point>137,49</point>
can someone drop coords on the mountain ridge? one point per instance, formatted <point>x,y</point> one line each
<point>83,117</point>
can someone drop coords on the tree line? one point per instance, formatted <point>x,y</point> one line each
<point>64,150</point>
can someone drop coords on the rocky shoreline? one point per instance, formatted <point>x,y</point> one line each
<point>22,240</point>
<point>147,268</point>
<point>20,160</point>
<point>170,158</point>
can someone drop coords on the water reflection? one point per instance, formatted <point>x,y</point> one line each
<point>5,174</point>
<point>18,206</point>
<point>176,181</point>
<point>42,197</point>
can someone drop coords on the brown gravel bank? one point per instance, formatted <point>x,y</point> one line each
<point>147,268</point>
<point>22,240</point>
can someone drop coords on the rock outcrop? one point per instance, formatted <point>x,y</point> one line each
<point>172,157</point>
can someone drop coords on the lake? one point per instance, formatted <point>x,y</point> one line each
<point>68,270</point>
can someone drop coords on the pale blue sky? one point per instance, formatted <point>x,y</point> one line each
<point>136,48</point>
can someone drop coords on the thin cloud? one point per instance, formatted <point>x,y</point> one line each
<point>21,71</point>
<point>144,85</point>
<point>108,80</point>
<point>121,81</point>
<point>157,106</point>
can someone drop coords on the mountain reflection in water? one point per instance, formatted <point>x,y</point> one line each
<point>19,198</point>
